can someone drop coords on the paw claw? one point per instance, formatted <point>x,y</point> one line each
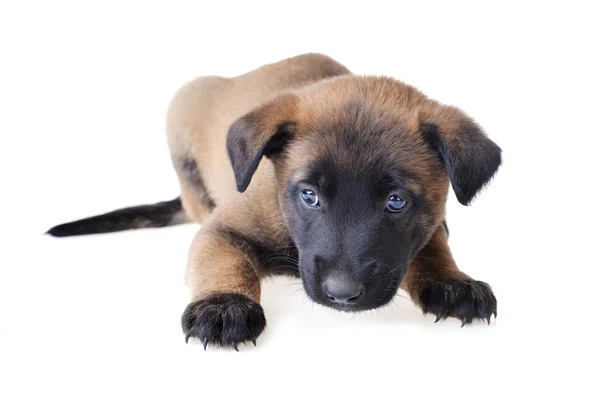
<point>464,299</point>
<point>223,319</point>
<point>253,341</point>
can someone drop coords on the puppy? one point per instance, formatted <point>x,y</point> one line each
<point>341,180</point>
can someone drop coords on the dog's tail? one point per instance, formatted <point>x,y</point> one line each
<point>157,215</point>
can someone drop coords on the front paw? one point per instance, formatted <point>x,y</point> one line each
<point>223,319</point>
<point>463,299</point>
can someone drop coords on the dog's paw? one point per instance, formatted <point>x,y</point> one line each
<point>463,299</point>
<point>223,319</point>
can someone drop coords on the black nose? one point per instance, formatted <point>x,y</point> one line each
<point>342,290</point>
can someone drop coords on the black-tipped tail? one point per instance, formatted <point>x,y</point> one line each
<point>147,216</point>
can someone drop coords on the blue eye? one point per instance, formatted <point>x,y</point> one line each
<point>310,198</point>
<point>396,204</point>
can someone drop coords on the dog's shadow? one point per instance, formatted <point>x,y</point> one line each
<point>282,294</point>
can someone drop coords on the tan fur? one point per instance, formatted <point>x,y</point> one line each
<point>202,111</point>
<point>302,89</point>
<point>224,268</point>
<point>197,123</point>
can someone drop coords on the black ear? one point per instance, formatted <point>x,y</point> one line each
<point>471,158</point>
<point>262,132</point>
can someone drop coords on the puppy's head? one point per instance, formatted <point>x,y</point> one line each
<point>362,166</point>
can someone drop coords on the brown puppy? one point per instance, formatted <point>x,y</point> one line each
<point>351,196</point>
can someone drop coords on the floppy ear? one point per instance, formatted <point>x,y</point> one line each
<point>471,158</point>
<point>262,132</point>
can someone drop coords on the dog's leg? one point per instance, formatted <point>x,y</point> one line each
<point>435,283</point>
<point>223,278</point>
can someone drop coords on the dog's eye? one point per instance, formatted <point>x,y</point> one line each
<point>396,204</point>
<point>310,198</point>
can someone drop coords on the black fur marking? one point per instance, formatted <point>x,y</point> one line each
<point>280,139</point>
<point>350,233</point>
<point>432,138</point>
<point>223,319</point>
<point>463,299</point>
<point>146,216</point>
<point>270,259</point>
<point>243,156</point>
<point>446,228</point>
<point>471,158</point>
<point>190,172</point>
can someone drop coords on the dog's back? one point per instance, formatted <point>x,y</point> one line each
<point>197,123</point>
<point>202,111</point>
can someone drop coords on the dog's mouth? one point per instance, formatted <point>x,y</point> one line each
<point>353,304</point>
<point>347,295</point>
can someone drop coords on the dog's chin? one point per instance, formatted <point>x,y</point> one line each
<point>380,293</point>
<point>364,305</point>
<point>355,308</point>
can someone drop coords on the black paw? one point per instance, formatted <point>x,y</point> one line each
<point>223,319</point>
<point>463,299</point>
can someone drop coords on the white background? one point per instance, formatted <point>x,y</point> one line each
<point>83,94</point>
